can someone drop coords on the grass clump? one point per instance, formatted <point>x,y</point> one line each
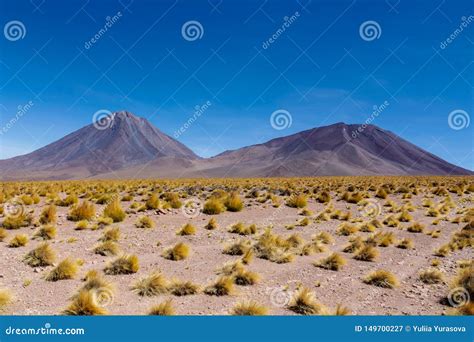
<point>304,303</point>
<point>347,229</point>
<point>381,278</point>
<point>431,276</point>
<point>334,262</point>
<point>84,304</point>
<point>83,211</point>
<point>244,278</point>
<point>416,228</point>
<point>163,309</point>
<point>211,225</point>
<point>107,248</point>
<point>48,215</point>
<point>5,298</point>
<point>405,244</point>
<point>144,222</point>
<point>178,252</point>
<point>223,286</point>
<point>114,211</point>
<point>66,269</point>
<point>183,288</point>
<point>187,229</point>
<point>241,229</point>
<point>213,206</point>
<point>19,240</point>
<point>43,255</point>
<point>153,202</point>
<point>125,264</point>
<point>47,232</point>
<point>237,248</point>
<point>152,285</point>
<point>248,308</point>
<point>234,203</point>
<point>111,234</point>
<point>297,201</point>
<point>366,253</point>
<point>3,234</point>
<point>17,221</point>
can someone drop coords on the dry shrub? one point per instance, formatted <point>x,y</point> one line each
<point>114,211</point>
<point>223,286</point>
<point>83,211</point>
<point>233,202</point>
<point>381,278</point>
<point>151,285</point>
<point>47,232</point>
<point>107,248</point>
<point>183,288</point>
<point>48,215</point>
<point>43,255</point>
<point>66,269</point>
<point>111,234</point>
<point>84,304</point>
<point>237,248</point>
<point>431,276</point>
<point>213,206</point>
<point>297,201</point>
<point>248,308</point>
<point>333,262</point>
<point>19,240</point>
<point>163,309</point>
<point>178,252</point>
<point>241,229</point>
<point>187,229</point>
<point>304,303</point>
<point>366,253</point>
<point>212,224</point>
<point>144,222</point>
<point>125,264</point>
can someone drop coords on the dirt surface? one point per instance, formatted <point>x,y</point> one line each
<point>33,295</point>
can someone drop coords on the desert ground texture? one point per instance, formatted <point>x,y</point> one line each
<point>278,246</point>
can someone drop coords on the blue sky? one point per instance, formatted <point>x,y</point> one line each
<point>319,69</point>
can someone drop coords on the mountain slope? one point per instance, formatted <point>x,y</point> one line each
<point>124,142</point>
<point>132,148</point>
<point>331,150</point>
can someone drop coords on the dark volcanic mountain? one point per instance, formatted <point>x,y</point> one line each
<point>130,147</point>
<point>124,141</point>
<point>333,150</point>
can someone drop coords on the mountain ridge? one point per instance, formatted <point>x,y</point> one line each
<point>126,146</point>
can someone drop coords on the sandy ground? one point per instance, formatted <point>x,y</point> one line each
<point>344,287</point>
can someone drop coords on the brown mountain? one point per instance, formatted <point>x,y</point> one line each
<point>132,148</point>
<point>124,141</point>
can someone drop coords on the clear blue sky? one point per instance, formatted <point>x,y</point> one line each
<point>319,69</point>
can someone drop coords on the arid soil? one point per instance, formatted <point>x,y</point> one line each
<point>33,295</point>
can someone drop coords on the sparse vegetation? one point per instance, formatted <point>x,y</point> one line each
<point>381,278</point>
<point>125,264</point>
<point>179,252</point>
